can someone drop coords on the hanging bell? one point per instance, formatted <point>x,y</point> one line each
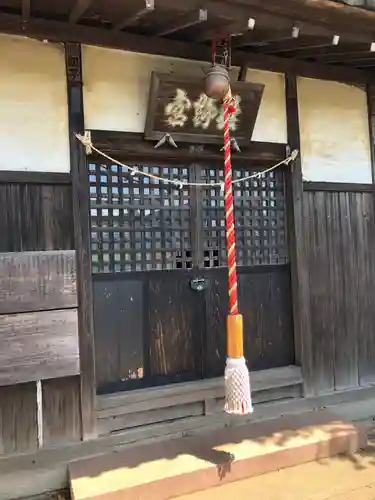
<point>217,82</point>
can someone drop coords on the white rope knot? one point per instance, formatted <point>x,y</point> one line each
<point>86,141</point>
<point>293,155</point>
<point>237,387</point>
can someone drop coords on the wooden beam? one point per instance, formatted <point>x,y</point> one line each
<point>26,8</point>
<point>184,21</point>
<point>262,38</point>
<point>243,72</point>
<point>357,24</point>
<point>81,211</point>
<point>61,32</point>
<point>26,177</point>
<point>294,46</point>
<point>80,7</point>
<point>299,271</point>
<point>370,89</point>
<point>364,64</point>
<point>341,56</point>
<point>327,50</point>
<point>337,187</point>
<point>149,6</point>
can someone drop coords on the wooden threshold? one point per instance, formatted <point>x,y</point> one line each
<point>119,411</point>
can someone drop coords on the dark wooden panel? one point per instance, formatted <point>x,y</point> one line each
<point>119,318</point>
<point>81,224</point>
<point>37,281</point>
<point>322,352</point>
<point>12,176</point>
<point>340,236</point>
<point>364,238</point>
<point>175,325</point>
<point>37,346</point>
<point>61,411</point>
<point>35,217</point>
<point>265,302</point>
<point>127,145</point>
<point>338,187</point>
<point>18,418</point>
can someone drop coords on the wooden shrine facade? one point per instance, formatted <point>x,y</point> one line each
<point>90,250</point>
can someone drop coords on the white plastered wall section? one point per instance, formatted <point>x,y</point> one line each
<point>33,106</point>
<point>117,83</point>
<point>335,142</point>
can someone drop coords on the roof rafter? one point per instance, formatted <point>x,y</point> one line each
<point>149,6</point>
<point>59,32</point>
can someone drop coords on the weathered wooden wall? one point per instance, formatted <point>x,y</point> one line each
<point>340,241</point>
<point>36,212</point>
<point>38,313</point>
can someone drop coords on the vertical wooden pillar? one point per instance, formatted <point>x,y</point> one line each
<point>299,270</point>
<point>80,189</point>
<point>371,119</point>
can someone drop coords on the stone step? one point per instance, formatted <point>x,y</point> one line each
<point>168,469</point>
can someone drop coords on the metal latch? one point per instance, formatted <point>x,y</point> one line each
<point>198,284</point>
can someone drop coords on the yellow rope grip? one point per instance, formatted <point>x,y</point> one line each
<point>235,336</point>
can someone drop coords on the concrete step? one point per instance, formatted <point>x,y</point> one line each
<point>168,469</point>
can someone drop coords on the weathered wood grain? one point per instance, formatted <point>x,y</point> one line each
<point>122,411</point>
<point>128,421</point>
<point>131,145</point>
<point>119,319</point>
<point>35,217</point>
<point>61,411</point>
<point>296,235</point>
<point>188,392</point>
<point>18,418</point>
<point>37,281</point>
<point>81,224</point>
<point>340,236</point>
<point>163,91</point>
<point>268,337</point>
<point>38,346</point>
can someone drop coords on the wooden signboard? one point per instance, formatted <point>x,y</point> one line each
<point>180,107</point>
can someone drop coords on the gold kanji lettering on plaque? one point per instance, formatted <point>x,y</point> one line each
<point>175,111</point>
<point>205,110</point>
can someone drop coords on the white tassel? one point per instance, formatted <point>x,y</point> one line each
<point>237,387</point>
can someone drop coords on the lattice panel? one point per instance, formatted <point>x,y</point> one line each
<point>138,223</point>
<point>260,218</point>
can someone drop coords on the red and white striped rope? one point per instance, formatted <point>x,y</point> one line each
<point>229,215</point>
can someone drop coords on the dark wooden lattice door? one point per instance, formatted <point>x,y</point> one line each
<point>263,267</point>
<point>153,244</point>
